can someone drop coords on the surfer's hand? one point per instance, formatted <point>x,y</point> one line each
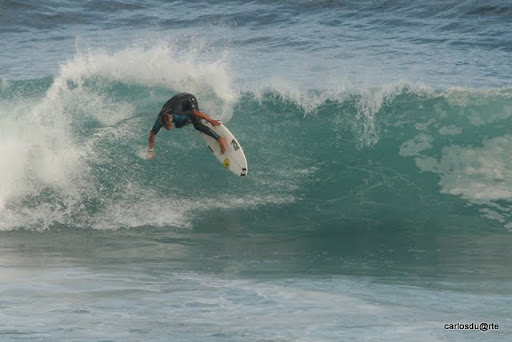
<point>151,154</point>
<point>215,122</point>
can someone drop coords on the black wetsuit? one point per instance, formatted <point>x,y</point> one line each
<point>182,107</point>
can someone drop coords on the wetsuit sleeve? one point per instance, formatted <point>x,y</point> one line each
<point>156,126</point>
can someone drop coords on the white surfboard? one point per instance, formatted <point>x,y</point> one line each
<point>234,157</point>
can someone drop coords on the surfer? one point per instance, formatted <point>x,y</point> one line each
<point>179,111</point>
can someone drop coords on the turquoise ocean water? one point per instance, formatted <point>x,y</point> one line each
<point>378,205</point>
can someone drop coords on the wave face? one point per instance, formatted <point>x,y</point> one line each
<point>72,148</point>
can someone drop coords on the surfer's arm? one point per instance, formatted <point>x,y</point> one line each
<point>154,130</point>
<point>151,147</point>
<point>203,116</point>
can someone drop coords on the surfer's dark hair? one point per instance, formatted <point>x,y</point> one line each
<point>164,119</point>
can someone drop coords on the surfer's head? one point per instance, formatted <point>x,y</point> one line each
<point>166,121</point>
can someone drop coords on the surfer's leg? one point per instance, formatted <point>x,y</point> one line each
<point>203,128</point>
<point>208,131</point>
<point>223,144</point>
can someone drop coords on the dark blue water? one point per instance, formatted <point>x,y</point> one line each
<point>378,206</point>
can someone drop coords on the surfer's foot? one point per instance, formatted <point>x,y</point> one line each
<point>223,145</point>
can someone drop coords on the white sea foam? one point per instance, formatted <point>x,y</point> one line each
<point>45,154</point>
<point>161,65</point>
<point>476,170</point>
<point>146,208</point>
<point>480,175</point>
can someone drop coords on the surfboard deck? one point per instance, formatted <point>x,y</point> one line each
<point>234,158</point>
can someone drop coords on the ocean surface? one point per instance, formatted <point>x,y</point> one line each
<point>378,204</point>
